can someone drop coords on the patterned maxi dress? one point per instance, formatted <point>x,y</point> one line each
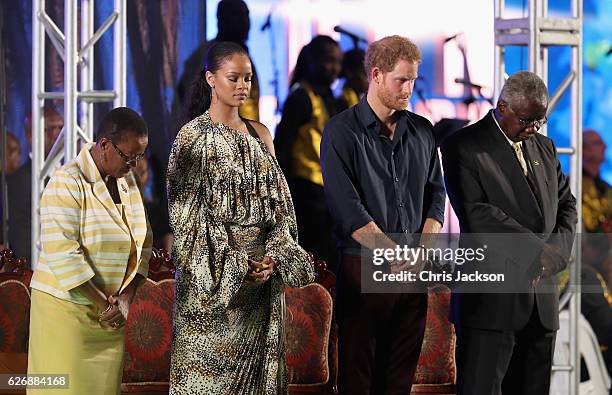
<point>229,202</point>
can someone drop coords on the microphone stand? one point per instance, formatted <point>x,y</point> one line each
<point>468,97</point>
<point>355,38</point>
<point>275,82</point>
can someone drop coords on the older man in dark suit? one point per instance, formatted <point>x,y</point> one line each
<point>502,177</point>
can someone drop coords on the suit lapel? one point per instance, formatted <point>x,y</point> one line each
<point>124,194</point>
<point>131,202</point>
<point>99,189</point>
<point>101,193</point>
<point>502,153</point>
<point>536,166</point>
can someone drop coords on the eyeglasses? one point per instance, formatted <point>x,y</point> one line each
<point>525,123</point>
<point>128,161</point>
<point>536,123</point>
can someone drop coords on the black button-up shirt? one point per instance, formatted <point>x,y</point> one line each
<point>369,177</point>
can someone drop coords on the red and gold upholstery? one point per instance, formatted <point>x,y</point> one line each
<point>148,331</point>
<point>436,370</point>
<point>311,339</point>
<point>14,314</point>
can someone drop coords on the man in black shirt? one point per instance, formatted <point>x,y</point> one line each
<point>381,173</point>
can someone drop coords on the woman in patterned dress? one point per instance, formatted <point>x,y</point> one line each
<point>235,243</point>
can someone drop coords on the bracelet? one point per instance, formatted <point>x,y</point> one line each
<point>108,308</point>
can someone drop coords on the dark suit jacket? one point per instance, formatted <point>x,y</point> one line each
<point>19,188</point>
<point>490,194</point>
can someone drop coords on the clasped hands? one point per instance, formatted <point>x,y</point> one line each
<point>260,272</point>
<point>414,266</point>
<point>551,260</point>
<point>116,312</point>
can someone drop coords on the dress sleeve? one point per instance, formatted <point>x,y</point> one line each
<point>295,265</point>
<point>209,271</point>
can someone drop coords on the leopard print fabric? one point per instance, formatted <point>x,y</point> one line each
<point>229,201</point>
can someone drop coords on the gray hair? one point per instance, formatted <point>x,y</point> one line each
<point>524,86</point>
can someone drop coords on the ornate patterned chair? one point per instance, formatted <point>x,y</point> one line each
<point>311,335</point>
<point>148,331</point>
<point>311,356</point>
<point>436,370</point>
<point>14,314</point>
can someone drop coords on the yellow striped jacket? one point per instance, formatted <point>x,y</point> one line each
<point>84,236</point>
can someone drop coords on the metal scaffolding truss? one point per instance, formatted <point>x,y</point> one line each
<point>537,32</point>
<point>78,99</point>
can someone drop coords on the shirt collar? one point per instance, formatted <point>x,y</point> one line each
<point>502,132</point>
<point>369,120</point>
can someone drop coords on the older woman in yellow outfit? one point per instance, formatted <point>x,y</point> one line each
<point>96,244</point>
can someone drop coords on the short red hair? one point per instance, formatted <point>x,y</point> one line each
<point>386,52</point>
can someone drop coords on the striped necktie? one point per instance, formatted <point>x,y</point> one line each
<point>519,155</point>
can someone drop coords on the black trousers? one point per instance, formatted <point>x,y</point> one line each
<point>313,220</point>
<point>379,335</point>
<point>491,362</point>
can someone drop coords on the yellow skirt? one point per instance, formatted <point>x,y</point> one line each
<point>66,338</point>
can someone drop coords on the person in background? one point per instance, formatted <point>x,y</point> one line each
<point>13,154</point>
<point>235,247</point>
<point>19,186</point>
<point>306,111</point>
<point>233,24</point>
<point>355,79</point>
<point>96,245</point>
<point>596,193</point>
<point>155,201</point>
<point>596,299</point>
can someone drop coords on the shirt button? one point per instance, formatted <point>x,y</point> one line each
<point>406,231</point>
<point>137,243</point>
<point>396,179</point>
<point>392,153</point>
<point>401,205</point>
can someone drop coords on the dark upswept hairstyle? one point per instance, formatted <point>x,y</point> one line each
<point>119,122</point>
<point>309,55</point>
<point>201,92</point>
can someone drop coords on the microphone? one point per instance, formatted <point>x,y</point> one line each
<point>267,23</point>
<point>355,37</point>
<point>447,39</point>
<point>468,83</point>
